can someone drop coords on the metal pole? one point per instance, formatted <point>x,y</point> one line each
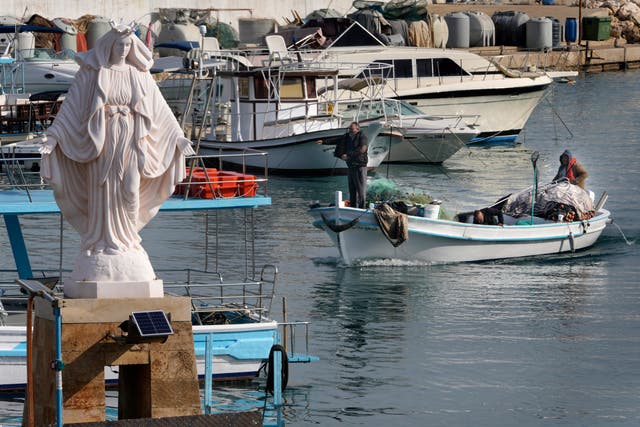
<point>534,188</point>
<point>277,378</point>
<point>284,326</point>
<point>579,22</point>
<point>58,365</point>
<point>30,397</point>
<point>208,374</point>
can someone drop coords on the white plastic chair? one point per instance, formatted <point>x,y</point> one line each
<point>277,49</point>
<point>210,44</point>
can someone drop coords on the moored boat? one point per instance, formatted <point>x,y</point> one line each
<point>35,70</point>
<point>281,110</point>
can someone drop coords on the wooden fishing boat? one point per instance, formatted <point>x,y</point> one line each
<point>358,234</point>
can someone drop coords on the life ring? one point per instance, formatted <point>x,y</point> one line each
<point>285,369</point>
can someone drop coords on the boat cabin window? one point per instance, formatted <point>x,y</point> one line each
<point>311,88</point>
<point>291,88</point>
<point>402,68</point>
<point>243,87</point>
<point>438,67</point>
<point>399,68</point>
<point>261,88</point>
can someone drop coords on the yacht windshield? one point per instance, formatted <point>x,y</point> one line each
<point>43,54</point>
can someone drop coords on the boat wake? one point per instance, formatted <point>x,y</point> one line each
<point>391,262</point>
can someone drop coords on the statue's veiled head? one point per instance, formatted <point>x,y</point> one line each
<point>120,41</point>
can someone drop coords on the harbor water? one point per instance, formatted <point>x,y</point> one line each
<point>544,341</point>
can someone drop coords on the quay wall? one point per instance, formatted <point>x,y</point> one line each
<point>588,57</point>
<point>591,56</point>
<point>227,11</point>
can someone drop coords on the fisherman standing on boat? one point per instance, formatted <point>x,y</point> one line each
<point>571,169</point>
<point>352,148</point>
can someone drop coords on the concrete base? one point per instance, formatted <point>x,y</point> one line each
<point>105,289</point>
<point>156,379</point>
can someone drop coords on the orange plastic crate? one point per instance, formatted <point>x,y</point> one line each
<point>201,186</point>
<point>246,184</point>
<point>225,185</point>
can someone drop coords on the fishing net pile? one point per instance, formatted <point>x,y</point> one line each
<point>382,190</point>
<point>551,200</point>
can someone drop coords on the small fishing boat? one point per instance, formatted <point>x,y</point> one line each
<point>382,232</point>
<point>234,314</point>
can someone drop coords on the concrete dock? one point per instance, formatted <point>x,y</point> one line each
<point>589,56</point>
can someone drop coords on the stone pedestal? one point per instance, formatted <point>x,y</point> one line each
<point>107,289</point>
<point>156,379</point>
<point>120,275</point>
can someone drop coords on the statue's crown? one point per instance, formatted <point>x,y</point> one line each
<point>123,29</point>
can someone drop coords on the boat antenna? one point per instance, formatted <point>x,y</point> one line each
<point>534,189</point>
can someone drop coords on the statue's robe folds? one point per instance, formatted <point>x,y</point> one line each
<point>115,154</point>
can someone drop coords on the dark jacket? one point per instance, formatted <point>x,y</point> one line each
<point>492,216</point>
<point>357,157</point>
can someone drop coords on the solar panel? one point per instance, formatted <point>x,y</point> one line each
<point>152,323</point>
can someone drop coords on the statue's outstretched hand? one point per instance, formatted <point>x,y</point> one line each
<point>48,143</point>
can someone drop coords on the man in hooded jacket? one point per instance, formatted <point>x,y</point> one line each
<point>571,169</point>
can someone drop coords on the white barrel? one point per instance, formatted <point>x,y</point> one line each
<point>68,39</point>
<point>458,24</point>
<point>431,211</point>
<point>96,29</point>
<point>26,43</point>
<point>481,29</point>
<point>539,33</point>
<point>556,31</point>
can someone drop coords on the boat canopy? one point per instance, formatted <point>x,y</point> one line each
<point>29,28</point>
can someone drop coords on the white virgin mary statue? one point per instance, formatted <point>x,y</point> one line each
<point>113,155</point>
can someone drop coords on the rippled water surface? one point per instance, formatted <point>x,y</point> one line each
<point>533,342</point>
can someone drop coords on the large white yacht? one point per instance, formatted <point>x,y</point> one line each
<point>453,82</point>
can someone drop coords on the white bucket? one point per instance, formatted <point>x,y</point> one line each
<point>431,211</point>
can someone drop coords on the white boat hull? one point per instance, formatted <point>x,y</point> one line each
<point>503,107</point>
<point>428,145</point>
<point>300,153</point>
<point>441,241</point>
<point>45,76</point>
<point>239,352</point>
